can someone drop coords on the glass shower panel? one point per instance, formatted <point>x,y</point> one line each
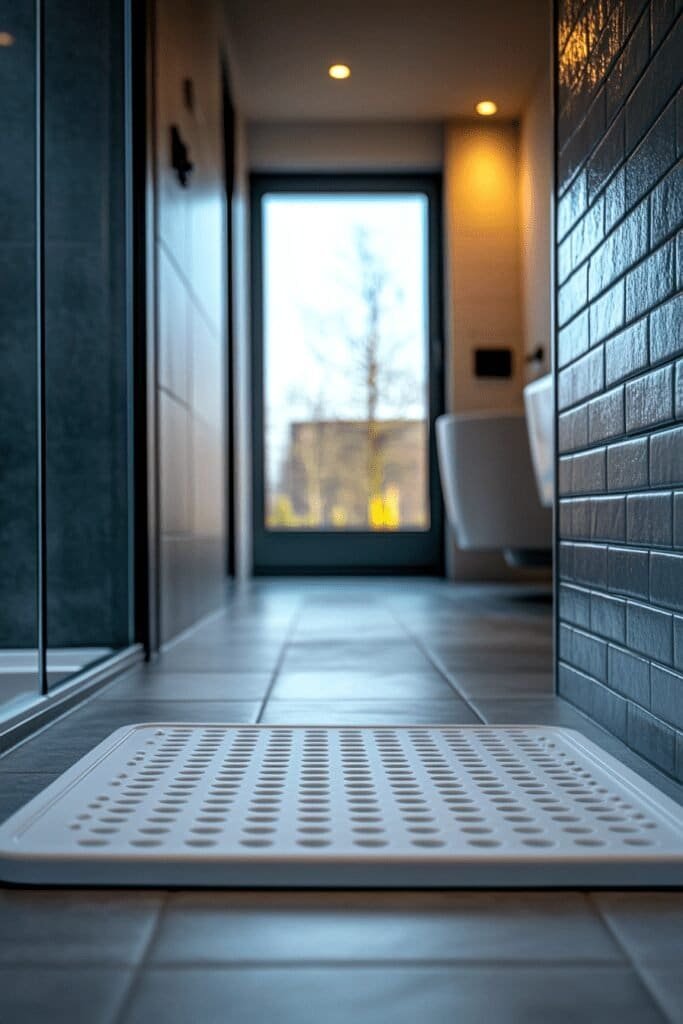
<point>19,676</point>
<point>87,340</point>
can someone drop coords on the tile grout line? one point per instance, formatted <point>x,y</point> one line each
<point>278,664</point>
<point>385,963</point>
<point>435,664</point>
<point>138,969</point>
<point>630,959</point>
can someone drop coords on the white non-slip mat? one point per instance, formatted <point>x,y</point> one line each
<point>317,806</point>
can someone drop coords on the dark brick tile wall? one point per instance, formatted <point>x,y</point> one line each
<point>620,369</point>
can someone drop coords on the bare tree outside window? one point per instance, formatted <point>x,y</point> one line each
<point>352,438</point>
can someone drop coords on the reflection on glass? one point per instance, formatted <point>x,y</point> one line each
<point>345,362</point>
<point>87,491</point>
<point>19,683</point>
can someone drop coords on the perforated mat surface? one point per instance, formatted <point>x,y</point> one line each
<point>414,806</point>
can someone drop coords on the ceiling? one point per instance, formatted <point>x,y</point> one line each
<point>410,59</point>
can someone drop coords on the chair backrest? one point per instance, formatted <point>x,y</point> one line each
<point>488,482</point>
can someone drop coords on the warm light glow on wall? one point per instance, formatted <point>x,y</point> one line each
<point>339,71</point>
<point>484,180</point>
<point>6,39</point>
<point>486,108</point>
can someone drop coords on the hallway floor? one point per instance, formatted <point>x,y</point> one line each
<point>329,652</point>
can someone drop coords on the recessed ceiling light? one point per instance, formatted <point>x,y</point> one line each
<point>339,71</point>
<point>486,108</point>
<point>6,39</point>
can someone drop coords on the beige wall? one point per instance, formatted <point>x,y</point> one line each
<point>342,146</point>
<point>536,188</point>
<point>483,286</point>
<point>482,266</point>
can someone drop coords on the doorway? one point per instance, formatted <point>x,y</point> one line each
<point>347,373</point>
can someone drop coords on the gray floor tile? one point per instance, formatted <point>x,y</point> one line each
<point>501,927</point>
<point>17,788</point>
<point>649,925</point>
<point>347,685</point>
<point>75,735</point>
<point>666,985</point>
<point>466,995</point>
<point>377,711</point>
<point>525,711</point>
<point>486,659</point>
<point>363,657</point>
<point>499,685</point>
<point>81,927</point>
<point>254,657</point>
<point>144,685</point>
<point>77,995</point>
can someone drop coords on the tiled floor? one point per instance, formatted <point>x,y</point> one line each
<point>361,651</point>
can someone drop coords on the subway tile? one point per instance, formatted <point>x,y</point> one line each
<point>629,675</point>
<point>625,246</point>
<point>627,465</point>
<point>606,416</point>
<point>588,471</point>
<point>650,400</point>
<point>590,564</point>
<point>606,158</point>
<point>615,200</point>
<point>666,457</point>
<point>588,654</point>
<point>571,206</point>
<point>678,520</point>
<point>573,339</point>
<point>651,738</point>
<point>607,313</point>
<point>628,571</point>
<point>655,88</point>
<point>600,703</point>
<point>650,282</point>
<point>606,519</point>
<point>565,560</point>
<point>581,380</point>
<point>629,68</point>
<point>678,641</point>
<point>582,142</point>
<point>588,233</point>
<point>573,295</point>
<point>564,475</point>
<point>574,605</point>
<point>649,519</point>
<point>662,15</point>
<point>666,579</point>
<point>565,642</point>
<point>649,631</point>
<point>573,429</point>
<point>666,330</point>
<point>608,617</point>
<point>626,353</point>
<point>567,524</point>
<point>666,205</point>
<point>667,695</point>
<point>653,157</point>
<point>678,391</point>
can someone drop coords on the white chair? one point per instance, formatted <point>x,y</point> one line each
<point>489,486</point>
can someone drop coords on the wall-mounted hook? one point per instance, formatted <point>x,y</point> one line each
<point>537,356</point>
<point>180,157</point>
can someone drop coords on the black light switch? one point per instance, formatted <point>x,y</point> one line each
<point>493,362</point>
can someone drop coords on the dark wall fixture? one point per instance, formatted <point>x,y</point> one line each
<point>180,157</point>
<point>493,362</point>
<point>620,370</point>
